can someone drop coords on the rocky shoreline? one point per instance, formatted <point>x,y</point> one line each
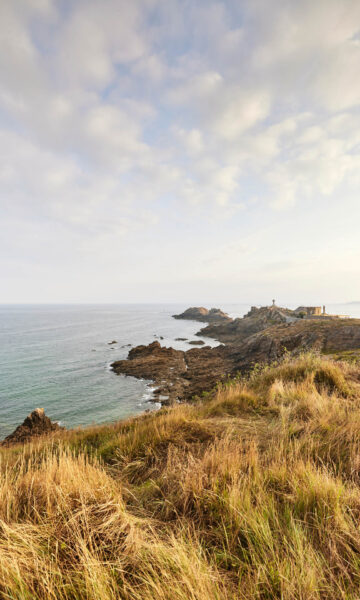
<point>261,336</point>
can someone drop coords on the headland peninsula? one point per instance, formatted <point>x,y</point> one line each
<point>263,335</point>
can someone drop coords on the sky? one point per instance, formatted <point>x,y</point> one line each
<point>179,151</point>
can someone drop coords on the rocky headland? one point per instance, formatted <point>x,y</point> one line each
<point>261,336</point>
<point>237,330</point>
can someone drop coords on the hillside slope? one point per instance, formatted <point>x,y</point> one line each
<point>252,492</point>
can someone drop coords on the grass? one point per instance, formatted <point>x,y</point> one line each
<point>252,492</point>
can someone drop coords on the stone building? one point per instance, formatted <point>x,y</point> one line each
<point>309,311</point>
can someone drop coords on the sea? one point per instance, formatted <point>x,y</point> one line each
<point>58,357</point>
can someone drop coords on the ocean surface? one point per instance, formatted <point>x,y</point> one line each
<point>58,357</point>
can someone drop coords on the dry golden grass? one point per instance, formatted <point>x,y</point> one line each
<point>251,493</point>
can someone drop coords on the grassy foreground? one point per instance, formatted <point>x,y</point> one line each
<point>252,492</point>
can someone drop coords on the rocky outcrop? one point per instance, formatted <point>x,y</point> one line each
<point>35,425</point>
<point>214,315</point>
<point>181,375</point>
<point>237,330</point>
<point>296,337</point>
<point>151,362</point>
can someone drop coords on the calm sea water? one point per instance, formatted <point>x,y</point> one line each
<point>58,357</point>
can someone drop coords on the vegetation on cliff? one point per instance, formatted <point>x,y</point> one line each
<point>251,492</point>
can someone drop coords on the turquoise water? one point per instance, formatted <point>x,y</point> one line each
<point>58,357</point>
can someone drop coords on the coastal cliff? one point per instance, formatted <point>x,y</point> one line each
<point>179,495</point>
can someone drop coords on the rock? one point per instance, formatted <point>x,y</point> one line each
<point>214,315</point>
<point>197,343</point>
<point>180,339</point>
<point>300,336</point>
<point>35,425</point>
<point>237,330</point>
<point>153,361</point>
<point>113,342</point>
<point>181,375</point>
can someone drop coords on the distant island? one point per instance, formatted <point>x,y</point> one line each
<point>214,315</point>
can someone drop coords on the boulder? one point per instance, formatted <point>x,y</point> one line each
<point>36,424</point>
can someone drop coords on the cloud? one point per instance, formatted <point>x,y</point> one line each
<point>237,110</point>
<point>97,37</point>
<point>117,117</point>
<point>336,85</point>
<point>192,140</point>
<point>114,137</point>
